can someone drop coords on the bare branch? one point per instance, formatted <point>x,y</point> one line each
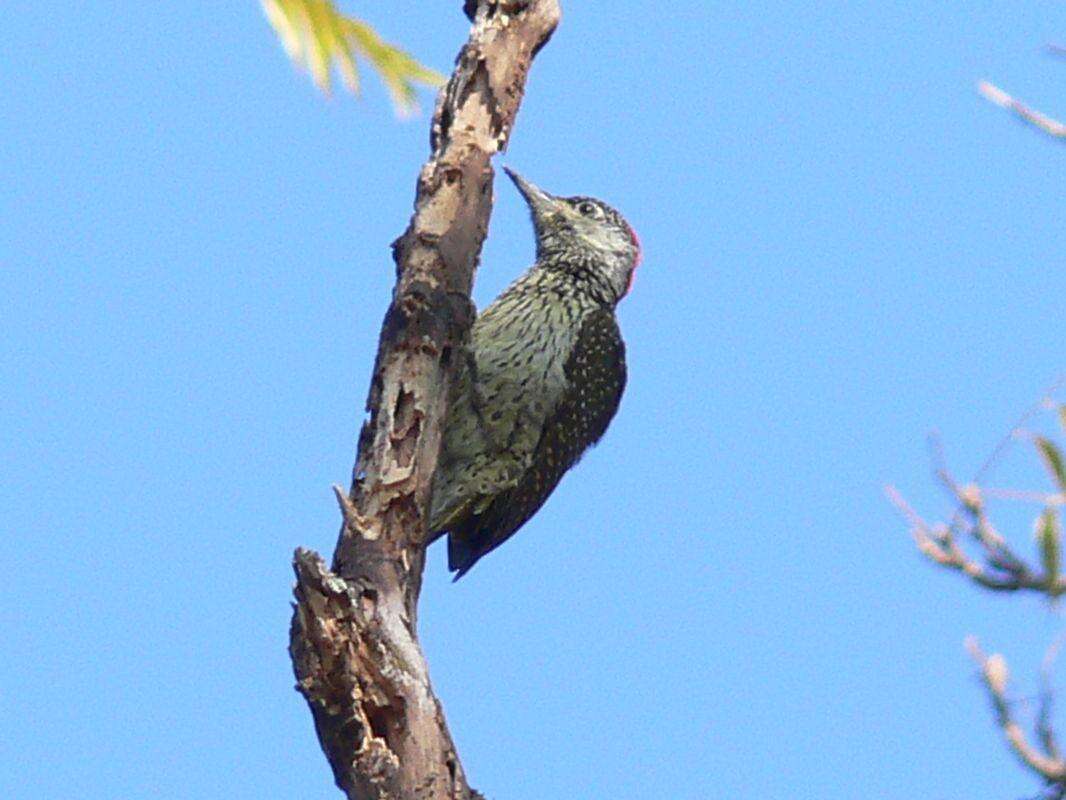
<point>1051,127</point>
<point>995,674</point>
<point>353,639</point>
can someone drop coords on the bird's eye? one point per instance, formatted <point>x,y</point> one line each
<point>587,209</point>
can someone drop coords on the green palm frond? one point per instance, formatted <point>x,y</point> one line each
<point>317,35</point>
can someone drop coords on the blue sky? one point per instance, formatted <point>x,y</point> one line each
<point>845,248</point>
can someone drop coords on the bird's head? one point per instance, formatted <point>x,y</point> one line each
<point>582,234</point>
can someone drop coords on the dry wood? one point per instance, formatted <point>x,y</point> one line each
<point>354,643</point>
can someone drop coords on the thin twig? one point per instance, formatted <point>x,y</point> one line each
<point>1051,127</point>
<point>936,447</point>
<point>940,547</point>
<point>1026,496</point>
<point>1011,435</point>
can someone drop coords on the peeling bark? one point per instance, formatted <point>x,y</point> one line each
<point>354,643</point>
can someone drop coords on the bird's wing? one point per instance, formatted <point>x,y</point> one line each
<point>519,377</point>
<point>470,466</point>
<point>511,380</point>
<point>595,378</point>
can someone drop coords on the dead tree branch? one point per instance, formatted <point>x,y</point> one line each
<point>354,643</point>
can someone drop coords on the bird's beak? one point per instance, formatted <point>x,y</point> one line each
<point>540,202</point>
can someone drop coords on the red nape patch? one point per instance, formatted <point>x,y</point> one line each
<point>636,263</point>
<point>636,243</point>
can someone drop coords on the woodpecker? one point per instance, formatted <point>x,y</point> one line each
<point>541,379</point>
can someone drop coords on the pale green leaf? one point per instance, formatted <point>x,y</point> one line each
<point>318,36</point>
<point>1049,536</point>
<point>1052,458</point>
<point>280,19</point>
<point>320,53</point>
<point>343,51</point>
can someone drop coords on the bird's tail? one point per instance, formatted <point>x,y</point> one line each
<point>462,555</point>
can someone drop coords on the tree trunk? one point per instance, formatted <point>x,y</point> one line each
<point>354,644</point>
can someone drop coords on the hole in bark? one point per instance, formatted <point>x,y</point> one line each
<point>378,717</point>
<point>368,601</point>
<point>445,126</point>
<point>406,428</point>
<point>351,731</point>
<point>400,412</point>
<point>407,453</point>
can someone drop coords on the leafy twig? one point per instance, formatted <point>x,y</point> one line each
<point>318,36</point>
<point>1003,571</point>
<point>1046,762</point>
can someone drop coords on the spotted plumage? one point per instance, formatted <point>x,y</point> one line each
<point>541,379</point>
